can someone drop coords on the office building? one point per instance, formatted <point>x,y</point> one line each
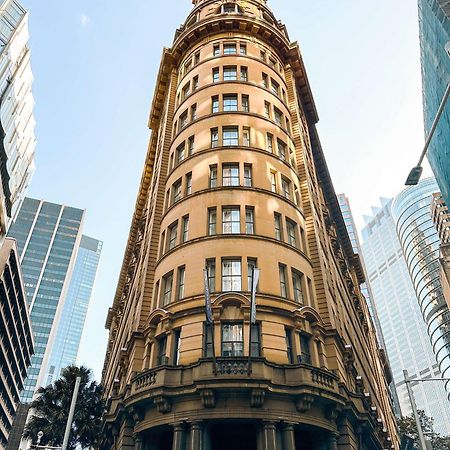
<point>48,236</point>
<point>434,25</point>
<point>366,290</point>
<point>404,330</point>
<point>70,328</point>
<point>16,340</point>
<point>17,139</point>
<point>235,179</point>
<point>420,243</point>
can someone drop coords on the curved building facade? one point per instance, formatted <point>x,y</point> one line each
<point>235,179</point>
<point>420,243</point>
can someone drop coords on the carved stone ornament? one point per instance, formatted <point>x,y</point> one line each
<point>332,413</point>
<point>163,404</point>
<point>208,398</point>
<point>257,398</point>
<point>304,402</point>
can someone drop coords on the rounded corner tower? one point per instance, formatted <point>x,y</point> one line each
<point>235,184</point>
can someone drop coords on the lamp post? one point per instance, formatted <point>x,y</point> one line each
<point>422,441</point>
<point>416,172</point>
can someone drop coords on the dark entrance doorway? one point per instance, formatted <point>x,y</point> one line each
<point>233,436</point>
<point>310,439</point>
<point>159,440</point>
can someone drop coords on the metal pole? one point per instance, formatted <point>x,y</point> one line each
<point>422,442</point>
<point>72,412</point>
<point>435,123</point>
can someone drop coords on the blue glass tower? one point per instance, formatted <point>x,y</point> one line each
<point>47,236</point>
<point>70,327</point>
<point>434,23</point>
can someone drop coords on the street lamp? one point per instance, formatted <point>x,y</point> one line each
<point>422,442</point>
<point>416,172</point>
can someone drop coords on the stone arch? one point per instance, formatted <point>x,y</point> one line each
<point>231,299</point>
<point>309,314</point>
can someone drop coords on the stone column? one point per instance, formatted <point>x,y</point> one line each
<point>288,436</point>
<point>196,436</point>
<point>333,441</point>
<point>269,436</point>
<point>138,441</point>
<point>179,437</point>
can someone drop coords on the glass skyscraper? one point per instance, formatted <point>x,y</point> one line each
<point>70,328</point>
<point>420,243</point>
<point>17,139</point>
<point>404,331</point>
<point>48,236</point>
<point>434,23</point>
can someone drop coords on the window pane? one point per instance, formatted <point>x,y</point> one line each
<point>230,175</point>
<point>230,103</point>
<point>230,136</point>
<point>231,221</point>
<point>230,73</point>
<point>229,49</point>
<point>231,275</point>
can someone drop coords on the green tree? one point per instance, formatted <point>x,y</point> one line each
<point>407,426</point>
<point>51,408</point>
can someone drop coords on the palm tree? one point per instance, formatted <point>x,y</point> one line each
<point>51,408</point>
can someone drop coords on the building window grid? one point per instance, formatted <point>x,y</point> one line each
<point>181,278</point>
<point>244,73</point>
<point>215,108</point>
<point>214,137</point>
<point>251,264</point>
<point>245,103</point>
<point>278,227</point>
<point>283,281</point>
<point>230,73</point>
<point>246,137</point>
<point>167,288</point>
<point>230,136</point>
<point>230,102</point>
<point>185,235</point>
<point>172,236</point>
<point>231,220</point>
<point>213,176</point>
<point>176,192</point>
<point>229,49</point>
<point>230,175</point>
<point>211,272</point>
<point>231,275</point>
<point>249,220</point>
<point>212,221</point>
<point>297,279</point>
<point>232,340</point>
<point>248,175</point>
<point>291,232</point>
<point>189,184</point>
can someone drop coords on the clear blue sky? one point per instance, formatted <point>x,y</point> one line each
<point>95,64</point>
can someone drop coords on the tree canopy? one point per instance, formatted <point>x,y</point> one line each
<point>50,410</point>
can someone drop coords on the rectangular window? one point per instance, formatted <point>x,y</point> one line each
<point>216,51</point>
<point>229,8</point>
<point>216,75</point>
<point>291,232</point>
<point>265,80</point>
<point>243,49</point>
<point>185,235</point>
<point>269,143</point>
<point>305,344</point>
<point>230,73</point>
<point>288,126</point>
<point>180,153</point>
<point>289,348</point>
<point>244,73</point>
<point>162,244</point>
<point>215,104</point>
<point>251,264</point>
<point>183,120</point>
<point>207,333</point>
<point>230,175</point>
<point>188,65</point>
<point>256,341</point>
<point>195,83</point>
<point>245,103</point>
<point>286,188</point>
<point>283,281</point>
<point>191,145</point>
<point>213,176</point>
<point>231,220</point>
<point>262,55</point>
<point>197,58</point>
<point>281,149</point>
<point>278,115</point>
<point>246,137</point>
<point>172,236</point>
<point>232,340</point>
<point>186,90</point>
<point>229,49</point>
<point>230,136</point>
<point>275,87</point>
<point>231,275</point>
<point>273,181</point>
<point>267,109</point>
<point>272,63</point>
<point>297,279</point>
<point>181,277</point>
<point>193,112</point>
<point>176,347</point>
<point>212,221</point>
<point>278,227</point>
<point>214,137</point>
<point>249,220</point>
<point>248,176</point>
<point>162,348</point>
<point>176,191</point>
<point>189,184</point>
<point>167,288</point>
<point>211,270</point>
<point>230,102</point>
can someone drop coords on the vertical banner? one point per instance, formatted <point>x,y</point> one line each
<point>255,280</point>
<point>209,319</point>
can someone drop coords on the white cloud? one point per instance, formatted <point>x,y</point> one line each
<point>85,20</point>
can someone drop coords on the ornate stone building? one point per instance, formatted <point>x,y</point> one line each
<point>235,178</point>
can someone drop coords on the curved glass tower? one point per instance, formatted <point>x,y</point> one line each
<point>420,243</point>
